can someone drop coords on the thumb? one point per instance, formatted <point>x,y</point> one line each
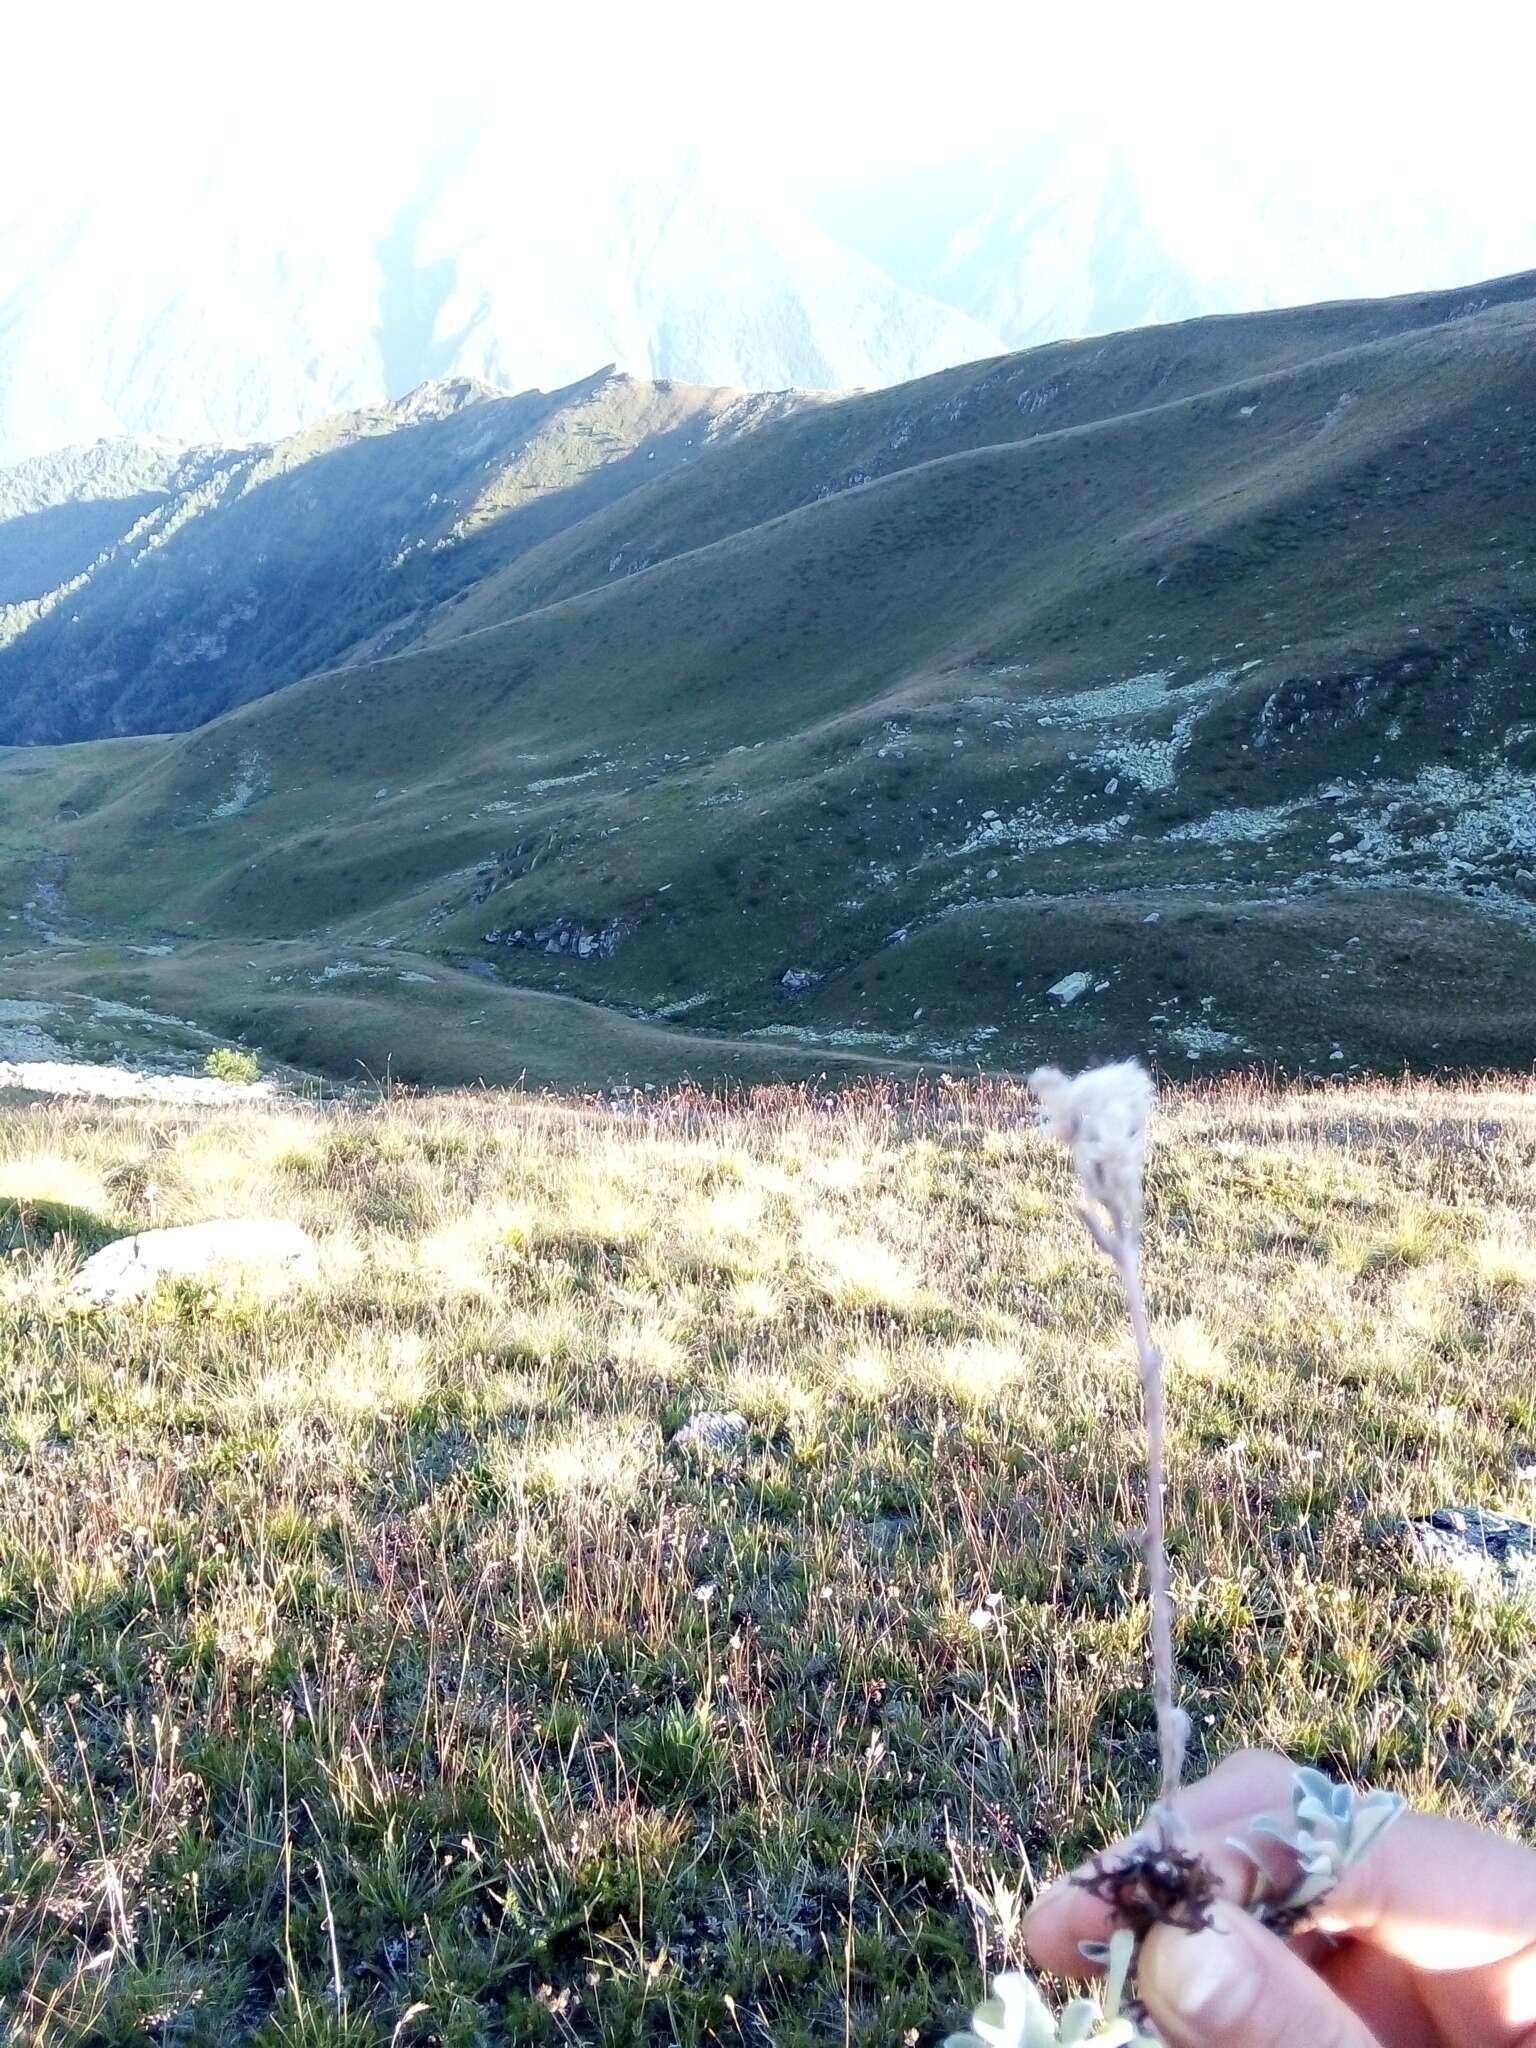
<point>1234,1985</point>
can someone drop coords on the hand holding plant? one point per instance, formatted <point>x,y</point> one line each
<point>1202,1921</point>
<point>1424,1937</point>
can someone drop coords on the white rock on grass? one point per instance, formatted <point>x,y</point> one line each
<point>712,1430</point>
<point>132,1267</point>
<point>1070,987</point>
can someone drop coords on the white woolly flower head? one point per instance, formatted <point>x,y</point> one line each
<point>1102,1115</point>
<point>1016,2016</point>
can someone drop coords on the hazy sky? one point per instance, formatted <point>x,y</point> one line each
<point>220,219</point>
<point>821,99</point>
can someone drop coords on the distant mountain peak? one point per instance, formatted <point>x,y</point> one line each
<point>439,398</point>
<point>479,282</point>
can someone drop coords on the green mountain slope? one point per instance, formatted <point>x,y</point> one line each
<point>1040,392</point>
<point>244,569</point>
<point>1206,729</point>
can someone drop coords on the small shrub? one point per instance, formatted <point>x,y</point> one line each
<point>224,1063</point>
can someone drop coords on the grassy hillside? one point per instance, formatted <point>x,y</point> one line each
<point>380,1672</point>
<point>1041,392</point>
<point>369,1019</point>
<point>1203,729</point>
<point>250,567</point>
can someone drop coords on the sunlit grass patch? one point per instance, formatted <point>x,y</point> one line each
<point>606,1462</point>
<point>596,1212</point>
<point>858,1272</point>
<point>402,1581</point>
<point>241,1625</point>
<point>725,1215</point>
<point>866,1374</point>
<point>551,1332</point>
<point>753,1301</point>
<point>378,1372</point>
<point>975,1372</point>
<point>470,1253</point>
<point>1504,1256</point>
<point>1190,1348</point>
<point>838,1172</point>
<point>773,1401</point>
<point>46,1195</point>
<point>647,1348</point>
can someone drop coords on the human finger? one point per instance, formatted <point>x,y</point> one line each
<point>1439,1894</point>
<point>1068,1915</point>
<point>1232,1984</point>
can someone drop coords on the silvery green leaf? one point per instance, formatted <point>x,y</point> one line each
<point>1373,1816</point>
<point>1313,1785</point>
<point>1118,1957</point>
<point>1015,2016</point>
<point>1278,1830</point>
<point>1307,1890</point>
<point>1330,1828</point>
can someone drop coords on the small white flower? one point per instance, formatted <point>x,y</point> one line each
<point>987,1613</point>
<point>1102,1115</point>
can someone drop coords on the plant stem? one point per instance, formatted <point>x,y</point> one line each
<point>1172,1721</point>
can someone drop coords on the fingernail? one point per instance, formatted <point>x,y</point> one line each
<point>1208,1976</point>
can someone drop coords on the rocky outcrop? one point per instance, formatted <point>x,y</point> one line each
<point>567,935</point>
<point>85,1078</point>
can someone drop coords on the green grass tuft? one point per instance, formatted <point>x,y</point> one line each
<point>375,1672</point>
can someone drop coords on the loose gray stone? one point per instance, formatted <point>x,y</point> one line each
<point>712,1430</point>
<point>1070,987</point>
<point>1493,1551</point>
<point>129,1269</point>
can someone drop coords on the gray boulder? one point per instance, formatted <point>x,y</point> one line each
<point>1485,1549</point>
<point>712,1430</point>
<point>249,1246</point>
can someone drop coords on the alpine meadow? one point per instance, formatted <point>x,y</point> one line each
<point>403,1661</point>
<point>767,1153</point>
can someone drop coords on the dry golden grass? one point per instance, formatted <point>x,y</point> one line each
<point>374,1672</point>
